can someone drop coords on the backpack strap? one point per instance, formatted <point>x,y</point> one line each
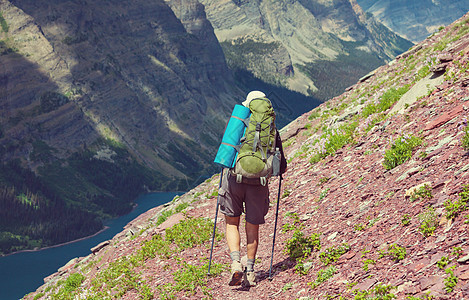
<point>257,137</point>
<point>245,121</point>
<point>237,147</point>
<point>251,181</point>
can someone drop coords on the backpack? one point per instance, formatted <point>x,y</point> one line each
<point>258,158</point>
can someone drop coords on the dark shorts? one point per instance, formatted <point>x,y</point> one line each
<point>236,198</point>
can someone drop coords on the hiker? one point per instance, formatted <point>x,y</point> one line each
<point>252,199</point>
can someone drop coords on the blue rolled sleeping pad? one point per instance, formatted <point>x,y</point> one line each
<point>234,131</point>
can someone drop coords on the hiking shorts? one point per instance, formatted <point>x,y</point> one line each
<point>237,198</point>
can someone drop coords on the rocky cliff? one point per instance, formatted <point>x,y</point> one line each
<point>306,46</point>
<point>373,204</point>
<point>117,65</point>
<point>415,19</point>
<point>101,101</point>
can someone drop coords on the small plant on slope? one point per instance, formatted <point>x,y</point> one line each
<point>322,276</point>
<point>428,222</point>
<point>332,140</point>
<point>394,252</point>
<point>379,292</point>
<point>385,101</point>
<point>301,246</point>
<point>189,278</point>
<point>405,220</point>
<point>332,254</point>
<point>454,208</point>
<point>70,285</point>
<point>451,280</point>
<point>400,151</point>
<point>423,192</point>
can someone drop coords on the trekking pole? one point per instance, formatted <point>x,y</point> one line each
<point>275,227</point>
<point>215,224</point>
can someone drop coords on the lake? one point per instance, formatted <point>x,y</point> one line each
<point>24,272</point>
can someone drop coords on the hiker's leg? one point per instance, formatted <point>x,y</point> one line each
<point>233,240</point>
<point>232,233</point>
<point>252,236</point>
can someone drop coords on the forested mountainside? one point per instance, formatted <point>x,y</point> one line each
<point>101,101</point>
<point>314,47</point>
<point>374,204</point>
<point>415,19</point>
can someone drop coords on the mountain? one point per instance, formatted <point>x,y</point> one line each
<point>314,47</point>
<point>415,19</point>
<point>373,204</point>
<point>101,101</point>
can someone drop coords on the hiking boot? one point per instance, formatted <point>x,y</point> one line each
<point>249,279</point>
<point>236,273</point>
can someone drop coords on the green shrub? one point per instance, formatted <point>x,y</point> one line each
<point>156,246</point>
<point>423,192</point>
<point>164,216</point>
<point>428,222</point>
<point>301,246</point>
<point>38,296</point>
<point>3,23</point>
<point>190,232</point>
<point>323,194</point>
<point>427,296</point>
<point>286,193</point>
<point>69,287</point>
<point>366,264</point>
<point>333,140</point>
<point>400,151</point>
<point>394,252</point>
<point>457,251</point>
<point>189,278</point>
<point>405,220</point>
<point>454,208</point>
<point>296,225</point>
<point>322,276</point>
<point>359,227</point>
<point>443,262</point>
<point>314,115</point>
<point>181,207</point>
<point>451,280</point>
<point>332,254</point>
<point>379,292</point>
<point>119,277</point>
<point>390,97</point>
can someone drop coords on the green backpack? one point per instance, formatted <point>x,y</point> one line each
<point>258,158</point>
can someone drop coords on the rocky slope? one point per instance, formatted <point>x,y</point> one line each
<point>302,44</point>
<point>387,229</point>
<point>415,19</point>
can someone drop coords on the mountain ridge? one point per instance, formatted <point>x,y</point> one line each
<point>415,20</point>
<point>285,42</point>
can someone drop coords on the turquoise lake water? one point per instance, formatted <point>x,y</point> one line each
<point>24,272</point>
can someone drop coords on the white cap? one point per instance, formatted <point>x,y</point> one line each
<point>253,95</point>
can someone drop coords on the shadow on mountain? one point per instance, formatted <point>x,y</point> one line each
<point>32,213</point>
